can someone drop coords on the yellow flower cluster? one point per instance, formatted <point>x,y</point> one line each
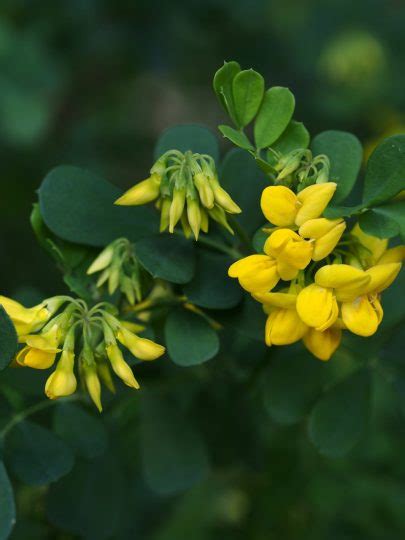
<point>90,335</point>
<point>321,299</point>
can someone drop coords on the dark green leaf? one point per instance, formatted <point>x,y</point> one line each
<point>385,174</point>
<point>274,116</point>
<point>80,430</point>
<point>7,506</point>
<point>260,237</point>
<point>165,256</point>
<point>346,154</point>
<point>294,136</point>
<point>78,206</point>
<point>247,89</point>
<point>173,452</point>
<point>241,177</point>
<point>248,318</point>
<point>36,455</point>
<point>237,137</point>
<point>333,212</point>
<point>189,338</point>
<point>194,137</point>
<point>8,339</point>
<point>385,221</point>
<point>339,418</point>
<point>222,83</point>
<point>211,287</point>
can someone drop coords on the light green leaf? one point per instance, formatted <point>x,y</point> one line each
<point>385,221</point>
<point>339,418</point>
<point>189,338</point>
<point>222,83</point>
<point>185,137</point>
<point>166,256</point>
<point>274,116</point>
<point>346,154</point>
<point>385,173</point>
<point>173,453</point>
<point>211,286</point>
<point>7,506</point>
<point>294,136</point>
<point>80,430</point>
<point>247,89</point>
<point>237,137</point>
<point>36,455</point>
<point>8,339</point>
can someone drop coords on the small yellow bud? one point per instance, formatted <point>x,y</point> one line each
<point>194,216</point>
<point>142,193</point>
<point>204,220</point>
<point>279,205</point>
<point>314,199</point>
<point>176,207</point>
<point>217,213</point>
<point>93,384</point>
<point>102,260</point>
<point>141,348</point>
<point>204,190</point>
<point>164,214</point>
<point>62,382</point>
<point>323,344</point>
<point>223,199</point>
<point>120,367</point>
<point>104,373</point>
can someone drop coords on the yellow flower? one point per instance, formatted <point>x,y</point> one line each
<point>282,207</point>
<point>374,247</point>
<point>326,233</point>
<point>256,273</point>
<point>194,216</point>
<point>120,367</point>
<point>141,348</point>
<point>62,382</point>
<point>346,280</point>
<point>93,384</point>
<point>204,190</point>
<point>291,252</point>
<point>142,193</point>
<point>323,344</point>
<point>25,320</point>
<point>40,350</point>
<point>395,254</point>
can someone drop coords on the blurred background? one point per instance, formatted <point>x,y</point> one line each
<point>93,82</point>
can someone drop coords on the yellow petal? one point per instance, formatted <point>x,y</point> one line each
<point>142,193</point>
<point>381,276</point>
<point>279,205</point>
<point>36,358</point>
<point>375,247</point>
<point>120,367</point>
<point>278,239</point>
<point>348,280</point>
<point>322,344</point>
<point>316,228</point>
<point>317,306</point>
<point>286,271</point>
<point>60,383</point>
<point>93,386</point>
<point>361,317</point>
<point>256,273</point>
<point>283,327</point>
<point>326,244</point>
<point>142,348</point>
<point>276,299</point>
<point>314,200</point>
<point>395,254</point>
<point>290,249</point>
<point>46,342</point>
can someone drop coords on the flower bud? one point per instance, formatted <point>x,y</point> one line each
<point>204,220</point>
<point>102,260</point>
<point>223,199</point>
<point>62,382</point>
<point>104,373</point>
<point>176,207</point>
<point>204,189</point>
<point>120,367</point>
<point>164,213</point>
<point>141,348</point>
<point>218,214</point>
<point>323,344</point>
<point>142,193</point>
<point>194,216</point>
<point>93,384</point>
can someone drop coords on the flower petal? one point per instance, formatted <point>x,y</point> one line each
<point>279,205</point>
<point>317,306</point>
<point>283,327</point>
<point>361,317</point>
<point>323,344</point>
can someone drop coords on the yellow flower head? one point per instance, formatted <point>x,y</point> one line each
<point>347,281</point>
<point>256,273</point>
<point>41,349</point>
<point>279,205</point>
<point>323,344</point>
<point>291,252</point>
<point>25,320</point>
<point>325,233</point>
<point>317,307</point>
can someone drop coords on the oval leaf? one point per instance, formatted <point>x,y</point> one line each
<point>385,173</point>
<point>36,455</point>
<point>8,339</point>
<point>194,137</point>
<point>340,416</point>
<point>78,206</point>
<point>166,256</point>
<point>237,137</point>
<point>222,83</point>
<point>346,154</point>
<point>385,221</point>
<point>294,136</point>
<point>190,339</point>
<point>7,506</point>
<point>274,116</point>
<point>247,89</point>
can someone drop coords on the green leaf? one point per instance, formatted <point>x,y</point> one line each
<point>346,154</point>
<point>248,318</point>
<point>8,339</point>
<point>237,137</point>
<point>222,83</point>
<point>173,453</point>
<point>291,385</point>
<point>385,173</point>
<point>211,287</point>
<point>90,501</point>
<point>78,206</point>
<point>294,136</point>
<point>340,416</point>
<point>245,182</point>
<point>82,431</point>
<point>385,221</point>
<point>165,256</point>
<point>333,212</point>
<point>194,137</point>
<point>274,116</point>
<point>7,506</point>
<point>260,237</point>
<point>247,90</point>
<point>189,338</point>
<point>36,455</point>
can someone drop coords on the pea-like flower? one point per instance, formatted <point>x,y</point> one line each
<point>325,234</point>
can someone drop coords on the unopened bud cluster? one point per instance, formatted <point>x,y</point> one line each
<point>186,189</point>
<point>80,340</point>
<point>299,168</point>
<point>119,268</point>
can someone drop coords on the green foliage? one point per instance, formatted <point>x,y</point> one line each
<point>346,154</point>
<point>237,137</point>
<point>294,136</point>
<point>188,137</point>
<point>247,91</point>
<point>8,339</point>
<point>223,81</point>
<point>385,221</point>
<point>7,506</point>
<point>189,338</point>
<point>274,116</point>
